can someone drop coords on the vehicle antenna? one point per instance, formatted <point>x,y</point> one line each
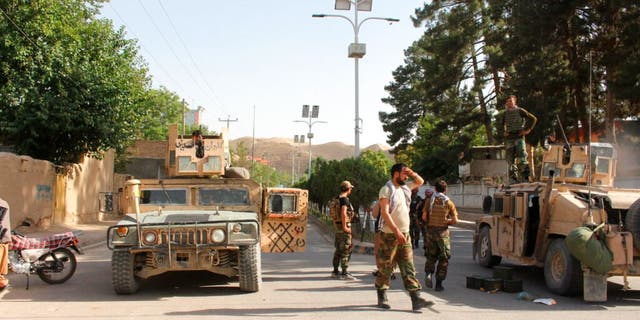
<point>590,214</point>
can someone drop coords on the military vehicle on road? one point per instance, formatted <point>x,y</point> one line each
<point>204,216</point>
<point>529,221</point>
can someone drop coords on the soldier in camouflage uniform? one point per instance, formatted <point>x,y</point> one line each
<point>517,123</point>
<point>439,213</point>
<point>344,238</point>
<point>394,242</point>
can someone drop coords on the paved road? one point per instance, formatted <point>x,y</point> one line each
<point>296,286</point>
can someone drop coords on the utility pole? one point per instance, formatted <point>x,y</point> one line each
<point>228,120</point>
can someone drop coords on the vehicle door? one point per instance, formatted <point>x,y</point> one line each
<point>284,220</point>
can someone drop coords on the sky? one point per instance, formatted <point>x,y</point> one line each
<point>259,61</point>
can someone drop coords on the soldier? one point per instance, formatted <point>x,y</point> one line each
<point>517,123</point>
<point>5,241</point>
<point>394,240</point>
<point>344,238</point>
<point>439,213</point>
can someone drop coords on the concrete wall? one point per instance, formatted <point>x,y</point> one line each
<point>85,182</point>
<point>34,190</point>
<point>27,184</point>
<point>470,195</point>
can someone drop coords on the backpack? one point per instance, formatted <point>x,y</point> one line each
<point>334,210</point>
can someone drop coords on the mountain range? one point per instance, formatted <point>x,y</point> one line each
<point>283,154</point>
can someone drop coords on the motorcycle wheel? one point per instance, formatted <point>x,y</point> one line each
<point>57,266</point>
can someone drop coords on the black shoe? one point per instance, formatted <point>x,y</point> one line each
<point>335,274</point>
<point>439,286</point>
<point>383,303</point>
<point>428,281</point>
<point>418,302</point>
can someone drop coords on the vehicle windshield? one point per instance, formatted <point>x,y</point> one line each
<point>226,196</point>
<point>163,196</point>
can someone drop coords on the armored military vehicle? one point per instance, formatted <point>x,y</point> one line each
<point>529,221</point>
<point>204,216</point>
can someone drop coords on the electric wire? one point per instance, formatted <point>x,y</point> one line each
<point>157,62</point>
<point>189,73</point>
<point>186,48</point>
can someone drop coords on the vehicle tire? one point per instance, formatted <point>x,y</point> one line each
<point>485,258</point>
<point>250,268</point>
<point>486,204</point>
<point>562,271</point>
<point>632,222</point>
<point>123,278</point>
<point>59,269</point>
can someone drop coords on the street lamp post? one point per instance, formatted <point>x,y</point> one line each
<point>357,50</point>
<point>296,139</point>
<point>310,114</point>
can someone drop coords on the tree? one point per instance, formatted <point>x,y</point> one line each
<point>240,156</point>
<point>367,173</point>
<point>162,107</point>
<point>70,85</point>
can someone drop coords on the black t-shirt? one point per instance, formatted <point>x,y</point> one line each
<point>344,201</point>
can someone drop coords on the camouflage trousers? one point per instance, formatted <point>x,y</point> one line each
<point>344,246</point>
<point>437,250</point>
<point>516,155</point>
<point>389,254</point>
<point>515,149</point>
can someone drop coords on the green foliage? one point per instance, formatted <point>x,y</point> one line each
<point>240,156</point>
<point>367,173</point>
<point>268,176</point>
<point>162,107</point>
<point>70,85</point>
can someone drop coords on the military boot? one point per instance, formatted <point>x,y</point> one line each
<point>418,302</point>
<point>382,299</point>
<point>428,281</point>
<point>439,286</point>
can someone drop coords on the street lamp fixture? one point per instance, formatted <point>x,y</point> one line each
<point>356,50</point>
<point>310,113</point>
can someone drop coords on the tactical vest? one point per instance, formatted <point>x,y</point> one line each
<point>438,214</point>
<point>513,120</point>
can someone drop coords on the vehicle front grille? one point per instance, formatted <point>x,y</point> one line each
<point>182,236</point>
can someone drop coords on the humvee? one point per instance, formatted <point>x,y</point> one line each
<point>204,216</point>
<point>529,221</point>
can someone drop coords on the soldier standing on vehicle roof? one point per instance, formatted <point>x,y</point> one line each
<point>517,123</point>
<point>439,213</point>
<point>344,238</point>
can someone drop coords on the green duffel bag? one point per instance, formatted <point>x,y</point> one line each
<point>589,247</point>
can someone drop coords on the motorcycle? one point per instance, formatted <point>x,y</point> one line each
<point>49,257</point>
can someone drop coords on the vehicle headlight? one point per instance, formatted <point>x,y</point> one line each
<point>217,235</point>
<point>149,238</point>
<point>243,233</point>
